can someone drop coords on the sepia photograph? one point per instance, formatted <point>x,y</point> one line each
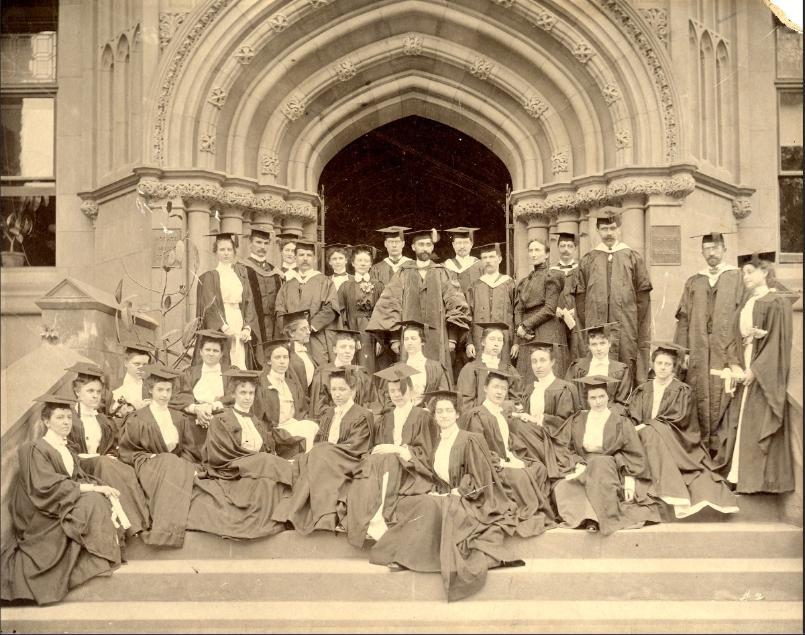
<point>401,316</point>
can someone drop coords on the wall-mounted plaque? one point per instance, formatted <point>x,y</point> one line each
<point>162,243</point>
<point>666,245</point>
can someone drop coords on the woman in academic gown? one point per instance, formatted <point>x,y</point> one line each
<point>677,459</point>
<point>244,481</point>
<point>598,362</point>
<point>472,378</point>
<point>320,492</point>
<point>337,258</point>
<point>92,439</point>
<point>397,463</point>
<point>356,298</point>
<point>225,303</point>
<point>525,477</point>
<point>544,414</point>
<point>458,528</point>
<point>154,444</point>
<point>607,490</point>
<point>754,438</point>
<point>61,517</point>
<point>535,300</point>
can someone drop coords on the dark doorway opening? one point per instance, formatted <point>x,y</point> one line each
<point>418,173</point>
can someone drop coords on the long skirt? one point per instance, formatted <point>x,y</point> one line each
<point>167,481</point>
<point>528,488</point>
<point>124,479</point>
<point>53,556</point>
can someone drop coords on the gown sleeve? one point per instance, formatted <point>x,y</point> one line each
<point>771,360</point>
<point>328,307</point>
<point>630,457</point>
<point>53,493</point>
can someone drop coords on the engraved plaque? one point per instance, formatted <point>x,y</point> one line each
<point>666,245</point>
<point>162,243</point>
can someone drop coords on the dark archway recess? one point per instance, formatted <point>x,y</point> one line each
<point>418,173</point>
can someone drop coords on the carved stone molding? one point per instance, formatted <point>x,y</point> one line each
<point>657,19</point>
<point>169,23</point>
<point>269,163</point>
<point>316,4</point>
<point>294,108</point>
<point>207,143</point>
<point>559,162</point>
<point>412,44</point>
<point>506,4</point>
<point>278,22</point>
<point>90,210</point>
<point>345,70</point>
<point>481,68</point>
<point>623,138</point>
<point>217,97</point>
<point>535,107</point>
<point>301,210</point>
<point>741,208</point>
<point>611,93</point>
<point>583,52</point>
<point>245,54</point>
<point>545,21</point>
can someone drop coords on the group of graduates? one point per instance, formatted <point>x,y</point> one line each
<point>424,410</point>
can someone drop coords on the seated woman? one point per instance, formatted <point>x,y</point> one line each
<point>61,517</point>
<point>297,330</point>
<point>524,475</point>
<point>457,528</point>
<point>92,438</point>
<point>319,494</point>
<point>547,405</point>
<point>153,444</point>
<point>472,378</point>
<point>282,402</point>
<point>400,446</point>
<point>244,481</point>
<point>131,395</point>
<point>345,343</point>
<point>598,362</point>
<point>677,460</point>
<point>607,488</point>
<point>200,393</point>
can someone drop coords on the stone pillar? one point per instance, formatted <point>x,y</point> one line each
<point>633,228</point>
<point>198,225</point>
<point>586,230</point>
<point>232,221</point>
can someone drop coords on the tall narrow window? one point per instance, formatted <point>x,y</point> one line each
<point>790,176</point>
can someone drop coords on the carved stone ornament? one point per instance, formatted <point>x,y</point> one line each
<point>218,196</point>
<point>528,209</point>
<point>506,4</point>
<point>90,210</point>
<point>481,68</point>
<point>293,108</point>
<point>217,97</point>
<point>207,143</point>
<point>278,22</point>
<point>741,208</point>
<point>583,52</point>
<point>657,19</point>
<point>412,44</point>
<point>345,70</point>
<point>269,163</point>
<point>559,162</point>
<point>623,138</point>
<point>245,54</point>
<point>611,93</point>
<point>318,3</point>
<point>169,23</point>
<point>305,211</point>
<point>545,20</point>
<point>535,107</point>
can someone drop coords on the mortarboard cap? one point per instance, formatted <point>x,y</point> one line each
<point>756,258</point>
<point>415,324</point>
<point>670,347</point>
<point>397,372</point>
<point>499,374</point>
<point>393,231</point>
<point>144,348</point>
<point>486,248</point>
<point>332,247</point>
<point>270,345</point>
<point>417,234</point>
<point>288,235</point>
<point>237,373</point>
<point>302,243</point>
<point>712,237</point>
<point>295,316</point>
<point>260,233</point>
<point>560,236</point>
<point>340,333</point>
<point>536,344</point>
<point>83,368</point>
<point>604,329</point>
<point>56,400</point>
<point>371,250</point>
<point>345,372</point>
<point>607,215</point>
<point>210,334</point>
<point>500,326</point>
<point>461,232</point>
<point>161,372</point>
<point>452,395</point>
<point>594,381</point>
<point>220,234</point>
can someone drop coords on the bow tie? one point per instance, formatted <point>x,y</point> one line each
<point>561,266</point>
<point>362,278</point>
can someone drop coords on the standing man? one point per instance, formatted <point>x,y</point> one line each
<point>265,282</point>
<point>424,291</point>
<point>309,290</point>
<point>491,299</point>
<point>705,326</point>
<point>566,308</point>
<point>613,286</point>
<point>394,242</point>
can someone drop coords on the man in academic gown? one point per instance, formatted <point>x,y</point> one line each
<point>613,286</point>
<point>705,317</point>
<point>394,242</point>
<point>566,308</point>
<point>309,290</point>
<point>423,291</point>
<point>265,282</point>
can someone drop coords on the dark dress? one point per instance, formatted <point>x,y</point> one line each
<point>618,393</point>
<point>320,398</point>
<point>571,339</point>
<point>436,378</point>
<point>357,301</point>
<point>62,537</point>
<point>267,408</point>
<point>240,490</point>
<point>167,478</point>
<point>470,383</point>
<point>677,459</point>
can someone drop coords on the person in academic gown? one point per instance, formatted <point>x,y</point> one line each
<point>424,292</point>
<point>472,378</point>
<point>345,343</point>
<point>544,413</point>
<point>535,301</point>
<point>287,247</point>
<point>491,299</point>
<point>678,462</point>
<point>154,444</point>
<point>61,518</point>
<point>297,330</point>
<point>282,402</point>
<point>309,290</point>
<point>458,528</point>
<point>397,463</point>
<point>525,476</point>
<point>573,345</point>
<point>613,286</point>
<point>200,393</point>
<point>705,322</point>
<point>337,258</point>
<point>243,482</point>
<point>92,439</point>
<point>224,302</point>
<point>608,487</point>
<point>357,298</point>
<point>264,282</point>
<point>132,394</point>
<point>599,362</point>
<point>754,450</point>
<point>319,494</point>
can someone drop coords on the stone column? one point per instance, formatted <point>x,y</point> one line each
<point>586,230</point>
<point>633,228</point>
<point>198,225</point>
<point>232,221</point>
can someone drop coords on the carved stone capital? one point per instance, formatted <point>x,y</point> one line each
<point>90,210</point>
<point>741,208</point>
<point>528,209</point>
<point>301,209</point>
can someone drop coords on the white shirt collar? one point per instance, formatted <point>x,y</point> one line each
<point>224,266</point>
<point>494,409</point>
<point>759,292</point>
<point>55,440</point>
<point>494,279</point>
<point>404,411</point>
<point>450,433</point>
<point>298,347</point>
<point>545,382</point>
<point>361,277</point>
<point>721,268</point>
<point>490,361</point>
<point>418,359</point>
<point>275,377</point>
<point>130,381</point>
<point>422,264</point>
<point>619,246</point>
<point>340,275</point>
<point>345,408</point>
<point>257,258</point>
<point>303,278</point>
<point>211,369</point>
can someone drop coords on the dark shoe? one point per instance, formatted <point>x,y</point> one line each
<point>396,567</point>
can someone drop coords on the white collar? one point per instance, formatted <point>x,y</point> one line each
<point>256,258</point>
<point>393,264</point>
<point>275,377</point>
<point>54,439</point>
<point>619,246</point>
<point>418,358</point>
<point>224,266</point>
<point>128,380</point>
<point>303,278</point>
<point>464,263</point>
<point>490,361</point>
<point>340,275</point>
<point>87,412</point>
<point>157,409</point>
<point>405,410</point>
<point>298,347</point>
<point>721,268</point>
<point>211,369</point>
<point>450,433</point>
<point>420,264</point>
<point>361,277</point>
<point>545,382</point>
<point>760,291</point>
<point>494,409</point>
<point>287,267</point>
<point>659,384</point>
<point>345,408</point>
<point>494,279</point>
<point>599,362</point>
